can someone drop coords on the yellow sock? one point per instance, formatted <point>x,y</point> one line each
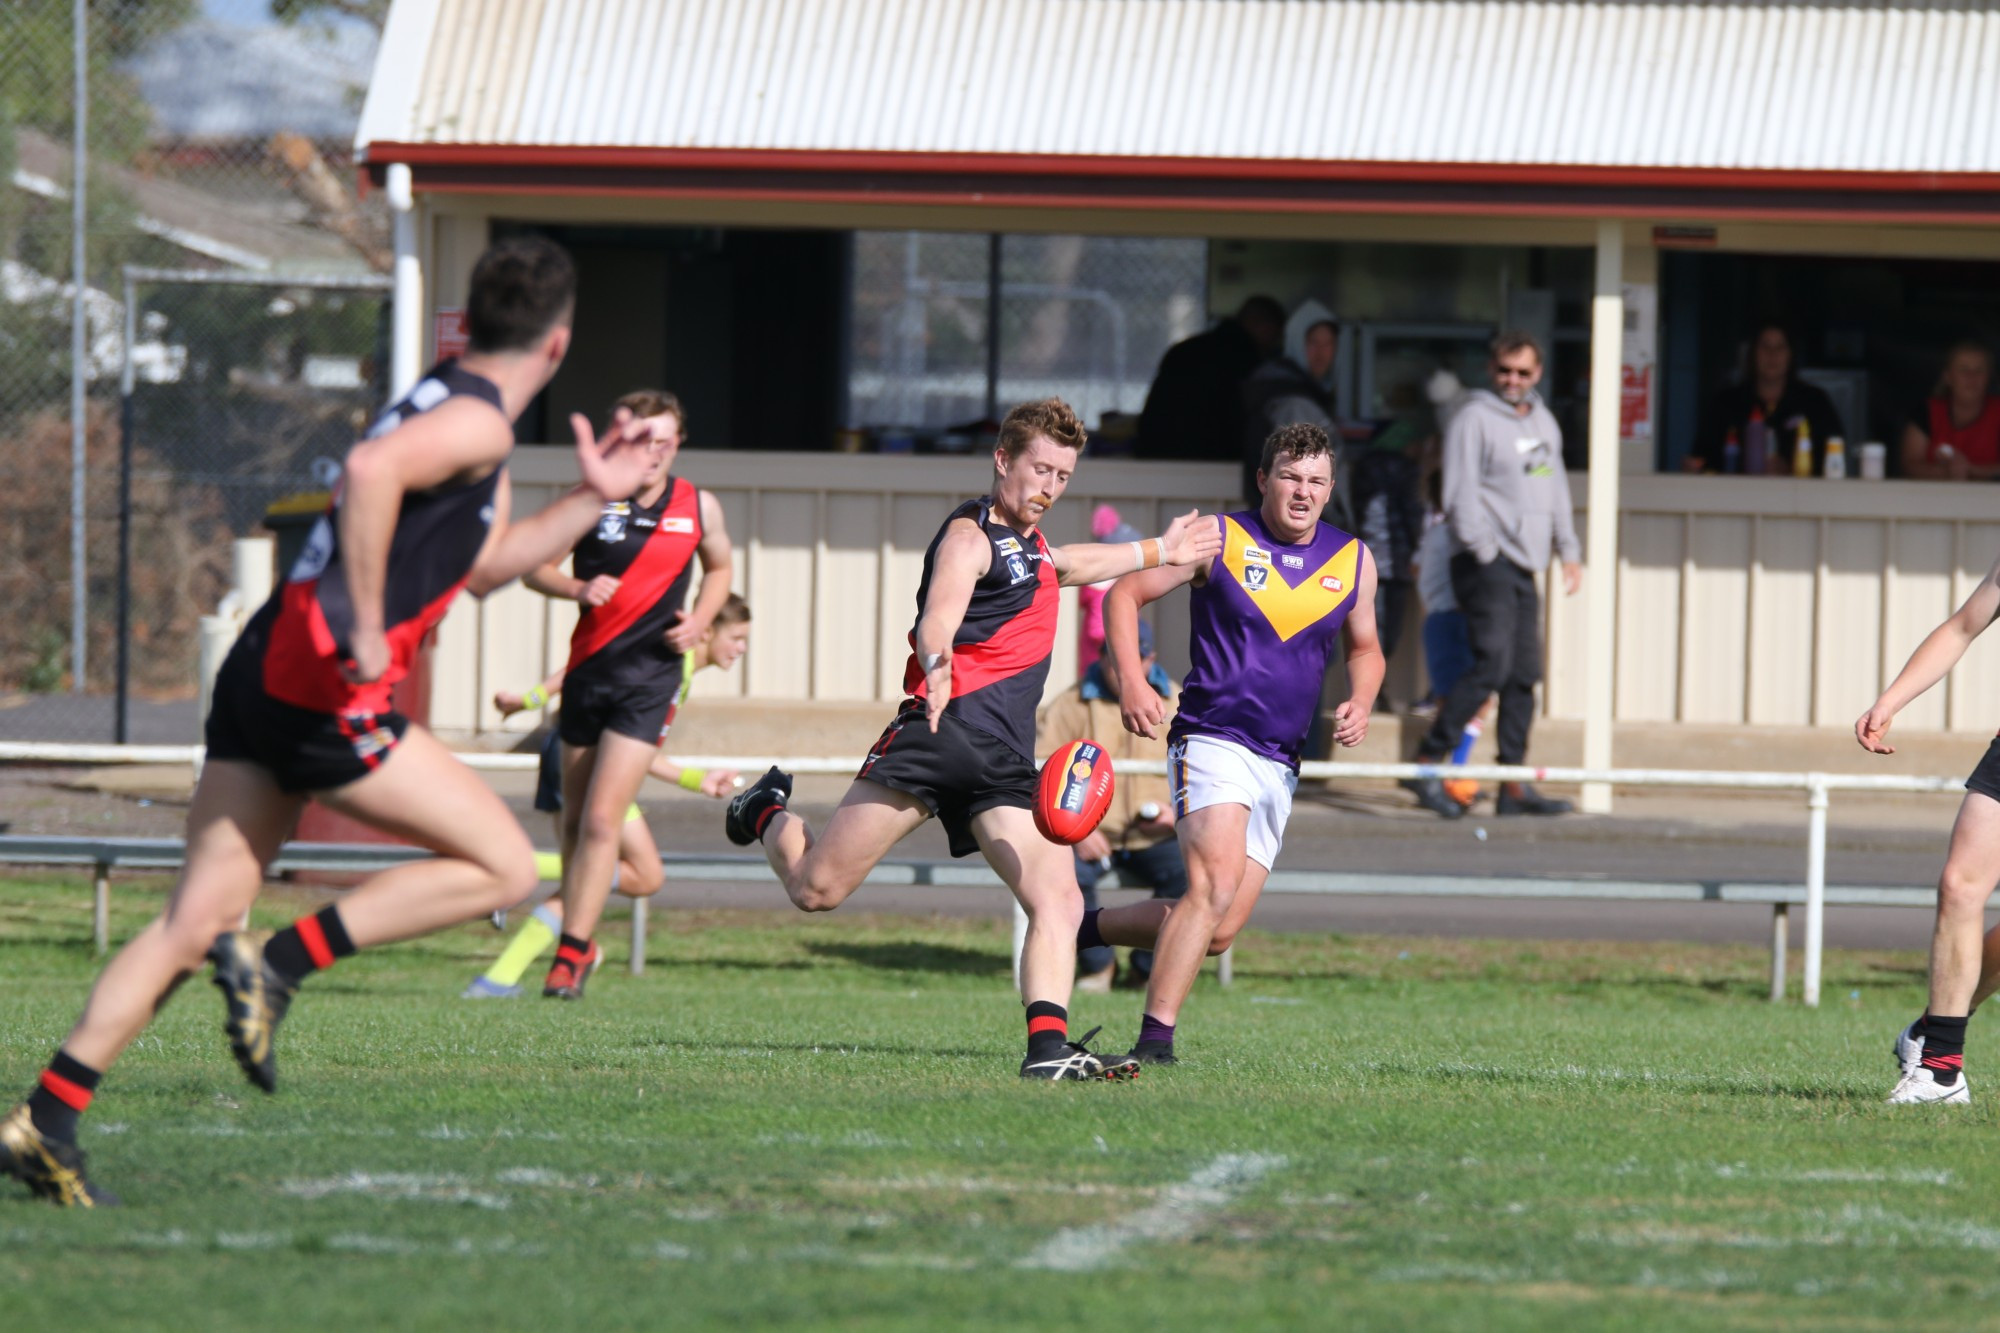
<point>534,937</point>
<point>548,866</point>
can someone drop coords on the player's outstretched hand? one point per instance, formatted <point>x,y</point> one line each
<point>509,702</point>
<point>597,591</point>
<point>367,657</point>
<point>1872,729</point>
<point>720,782</point>
<point>615,466</point>
<point>1191,540</point>
<point>1350,724</point>
<point>1142,709</point>
<point>937,689</point>
<point>685,633</point>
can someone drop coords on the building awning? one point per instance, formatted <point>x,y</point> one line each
<point>1783,110</point>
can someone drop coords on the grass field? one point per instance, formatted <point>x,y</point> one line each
<point>816,1121</point>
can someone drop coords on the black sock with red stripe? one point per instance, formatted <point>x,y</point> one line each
<point>66,1088</point>
<point>574,951</point>
<point>1048,1029</point>
<point>308,944</point>
<point>1944,1047</point>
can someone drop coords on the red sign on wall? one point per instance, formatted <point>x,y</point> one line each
<point>448,332</point>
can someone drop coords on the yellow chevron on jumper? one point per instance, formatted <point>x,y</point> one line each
<point>1289,609</point>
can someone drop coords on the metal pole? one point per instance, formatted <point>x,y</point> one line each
<point>406,342</point>
<point>1600,627</point>
<point>79,346</point>
<point>1020,939</point>
<point>123,732</point>
<point>1781,922</point>
<point>1815,881</point>
<point>100,906</point>
<point>638,963</point>
<point>993,327</point>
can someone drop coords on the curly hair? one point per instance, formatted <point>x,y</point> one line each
<point>1301,441</point>
<point>1050,417</point>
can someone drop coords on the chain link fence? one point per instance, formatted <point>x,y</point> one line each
<point>218,140</point>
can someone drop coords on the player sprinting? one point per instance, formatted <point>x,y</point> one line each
<point>631,574</point>
<point>1965,970</point>
<point>638,873</point>
<point>1267,613</point>
<point>961,745</point>
<point>302,707</point>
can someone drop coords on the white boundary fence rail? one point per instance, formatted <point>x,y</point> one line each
<point>1816,787</point>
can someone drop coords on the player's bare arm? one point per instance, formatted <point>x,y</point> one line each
<point>1190,539</point>
<point>550,581</point>
<point>715,782</point>
<point>717,560</point>
<point>963,558</point>
<point>1139,704</point>
<point>1934,657</point>
<point>510,702</point>
<point>459,441</point>
<point>613,469</point>
<point>1365,663</point>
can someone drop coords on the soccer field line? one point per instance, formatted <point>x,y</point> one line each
<point>1179,1213</point>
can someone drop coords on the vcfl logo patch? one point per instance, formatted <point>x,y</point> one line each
<point>1077,785</point>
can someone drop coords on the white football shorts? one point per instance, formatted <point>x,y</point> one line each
<point>1207,770</point>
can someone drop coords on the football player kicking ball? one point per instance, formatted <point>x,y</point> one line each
<point>1266,615</point>
<point>960,747</point>
<point>638,873</point>
<point>302,708</point>
<point>1965,969</point>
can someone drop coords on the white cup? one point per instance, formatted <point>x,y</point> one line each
<point>1874,460</point>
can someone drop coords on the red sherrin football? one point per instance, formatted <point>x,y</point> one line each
<point>1074,792</point>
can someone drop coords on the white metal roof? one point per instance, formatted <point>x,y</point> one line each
<point>1886,86</point>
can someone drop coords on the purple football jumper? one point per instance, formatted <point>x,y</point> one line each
<point>1265,622</point>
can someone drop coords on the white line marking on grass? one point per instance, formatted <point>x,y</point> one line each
<point>1178,1214</point>
<point>397,1185</point>
<point>984,1185</point>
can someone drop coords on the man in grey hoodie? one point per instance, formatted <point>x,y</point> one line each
<point>1506,501</point>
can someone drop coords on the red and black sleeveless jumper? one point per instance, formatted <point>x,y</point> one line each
<point>622,676</point>
<point>999,663</point>
<point>280,700</point>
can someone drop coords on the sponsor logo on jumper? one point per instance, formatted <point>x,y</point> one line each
<point>1010,546</point>
<point>486,515</point>
<point>1257,553</point>
<point>1330,583</point>
<point>1292,561</point>
<point>611,524</point>
<point>1017,568</point>
<point>315,554</point>
<point>1254,578</point>
<point>680,525</point>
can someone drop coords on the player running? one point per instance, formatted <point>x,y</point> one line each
<point>961,745</point>
<point>302,707</point>
<point>626,667</point>
<point>1965,969</point>
<point>1266,614</point>
<point>638,873</point>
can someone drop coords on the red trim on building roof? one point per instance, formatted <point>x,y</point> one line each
<point>1172,168</point>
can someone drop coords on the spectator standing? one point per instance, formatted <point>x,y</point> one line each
<point>1955,433</point>
<point>1105,526</point>
<point>1771,400</point>
<point>1506,502</point>
<point>1292,389</point>
<point>1137,836</point>
<point>1195,407</point>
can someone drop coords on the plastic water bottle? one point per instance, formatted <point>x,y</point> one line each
<point>1756,444</point>
<point>1836,458</point>
<point>1802,458</point>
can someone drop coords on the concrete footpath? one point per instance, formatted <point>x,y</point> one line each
<point>1355,827</point>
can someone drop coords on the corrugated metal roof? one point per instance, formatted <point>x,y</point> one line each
<point>1905,87</point>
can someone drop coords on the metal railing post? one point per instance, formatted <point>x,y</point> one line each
<point>1815,882</point>
<point>100,906</point>
<point>1781,924</point>
<point>1020,939</point>
<point>638,964</point>
<point>1225,966</point>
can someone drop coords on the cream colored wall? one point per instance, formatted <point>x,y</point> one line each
<point>1764,601</point>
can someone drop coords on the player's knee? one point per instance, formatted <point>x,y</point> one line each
<point>641,878</point>
<point>1219,942</point>
<point>813,889</point>
<point>600,826</point>
<point>1961,888</point>
<point>1060,912</point>
<point>512,876</point>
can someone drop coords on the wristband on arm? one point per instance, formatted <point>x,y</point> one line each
<point>536,697</point>
<point>692,778</point>
<point>1159,556</point>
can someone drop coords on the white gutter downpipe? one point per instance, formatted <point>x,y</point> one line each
<point>406,343</point>
<point>1600,571</point>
